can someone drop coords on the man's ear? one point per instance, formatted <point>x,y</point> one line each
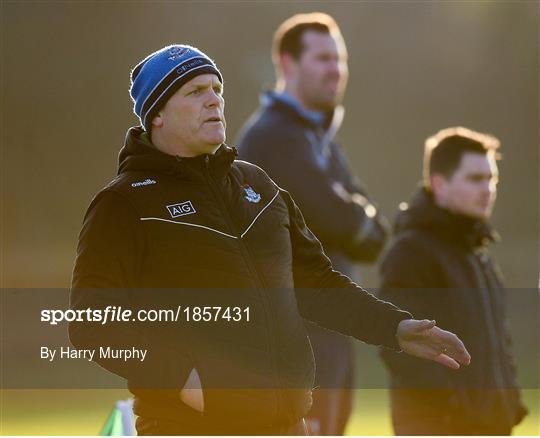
<point>288,64</point>
<point>438,184</point>
<point>157,121</point>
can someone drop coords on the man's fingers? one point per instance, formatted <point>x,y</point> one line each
<point>422,338</point>
<point>446,360</point>
<point>461,354</point>
<point>453,346</point>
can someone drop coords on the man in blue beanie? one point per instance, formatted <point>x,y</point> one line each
<point>185,226</point>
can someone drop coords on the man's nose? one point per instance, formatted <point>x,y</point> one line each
<point>487,188</point>
<point>214,99</point>
<point>492,187</point>
<point>335,68</point>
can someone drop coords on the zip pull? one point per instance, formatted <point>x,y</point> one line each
<point>207,160</point>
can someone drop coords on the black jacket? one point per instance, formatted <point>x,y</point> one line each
<point>299,154</point>
<point>212,222</point>
<point>438,267</point>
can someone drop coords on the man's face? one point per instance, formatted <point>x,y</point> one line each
<point>472,189</point>
<point>192,121</point>
<point>321,72</point>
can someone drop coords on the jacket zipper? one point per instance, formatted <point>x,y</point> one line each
<point>244,250</point>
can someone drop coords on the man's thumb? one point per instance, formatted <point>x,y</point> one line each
<point>426,324</point>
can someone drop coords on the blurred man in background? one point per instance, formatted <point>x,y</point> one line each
<point>291,137</point>
<point>438,265</point>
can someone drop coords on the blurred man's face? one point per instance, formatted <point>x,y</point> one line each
<point>192,122</point>
<point>472,189</point>
<point>321,72</point>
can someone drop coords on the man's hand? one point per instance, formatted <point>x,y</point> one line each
<point>425,340</point>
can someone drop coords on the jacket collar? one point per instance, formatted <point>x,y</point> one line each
<point>285,103</point>
<point>424,213</point>
<point>315,118</point>
<point>138,154</point>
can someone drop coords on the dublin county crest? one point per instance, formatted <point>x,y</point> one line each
<point>177,52</point>
<point>251,195</point>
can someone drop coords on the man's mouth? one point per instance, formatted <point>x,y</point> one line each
<point>213,120</point>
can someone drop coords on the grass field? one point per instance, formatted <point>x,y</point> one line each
<point>82,412</point>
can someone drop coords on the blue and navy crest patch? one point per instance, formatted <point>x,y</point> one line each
<point>251,195</point>
<point>177,52</point>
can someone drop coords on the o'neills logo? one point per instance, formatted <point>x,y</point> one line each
<point>188,65</point>
<point>146,182</point>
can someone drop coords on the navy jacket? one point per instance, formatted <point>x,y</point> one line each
<point>438,267</point>
<point>298,152</point>
<point>165,228</point>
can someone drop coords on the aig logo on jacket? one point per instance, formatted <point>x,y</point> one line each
<point>181,209</point>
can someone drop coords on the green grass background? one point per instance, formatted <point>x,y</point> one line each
<point>83,412</point>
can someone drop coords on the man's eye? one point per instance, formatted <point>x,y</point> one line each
<point>218,90</point>
<point>196,92</point>
<point>478,178</point>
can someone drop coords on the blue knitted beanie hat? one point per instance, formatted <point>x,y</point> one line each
<point>158,76</point>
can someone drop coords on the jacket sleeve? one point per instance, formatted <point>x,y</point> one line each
<point>502,299</point>
<point>109,255</point>
<point>514,393</point>
<point>411,278</point>
<point>339,218</point>
<point>376,226</point>
<point>331,299</point>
